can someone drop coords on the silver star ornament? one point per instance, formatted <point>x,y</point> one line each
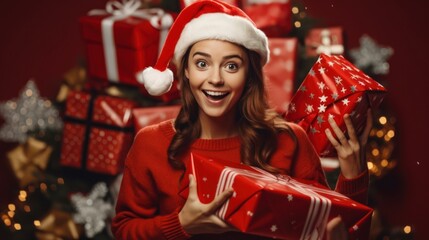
<point>26,113</point>
<point>371,56</point>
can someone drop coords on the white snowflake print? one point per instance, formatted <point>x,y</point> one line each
<point>322,108</point>
<point>322,70</point>
<point>338,80</point>
<point>292,107</point>
<point>309,108</point>
<point>321,85</point>
<point>323,98</point>
<point>273,228</point>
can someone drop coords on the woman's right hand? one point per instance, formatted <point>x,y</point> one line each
<point>198,218</point>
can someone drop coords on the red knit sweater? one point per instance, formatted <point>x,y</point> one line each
<point>148,201</point>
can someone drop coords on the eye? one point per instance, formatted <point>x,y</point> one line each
<point>201,64</point>
<point>232,67</point>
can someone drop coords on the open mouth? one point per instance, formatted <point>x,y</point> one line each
<point>215,95</point>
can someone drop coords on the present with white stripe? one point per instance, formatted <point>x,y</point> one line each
<point>275,206</point>
<point>153,115</point>
<point>333,87</point>
<point>124,39</point>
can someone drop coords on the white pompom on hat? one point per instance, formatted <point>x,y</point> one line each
<point>202,20</point>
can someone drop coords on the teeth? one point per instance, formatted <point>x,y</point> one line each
<point>215,94</point>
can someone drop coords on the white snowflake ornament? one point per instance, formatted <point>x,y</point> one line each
<point>92,210</point>
<point>371,56</point>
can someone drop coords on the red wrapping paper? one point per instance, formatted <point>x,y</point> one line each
<point>334,87</point>
<point>275,206</point>
<point>273,18</point>
<point>136,43</point>
<point>324,40</point>
<point>152,115</point>
<point>97,133</point>
<point>280,72</point>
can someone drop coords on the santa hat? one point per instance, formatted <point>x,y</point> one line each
<point>206,19</point>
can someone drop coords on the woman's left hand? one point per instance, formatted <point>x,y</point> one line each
<point>351,152</point>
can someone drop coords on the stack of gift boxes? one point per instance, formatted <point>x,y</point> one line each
<point>99,127</point>
<point>120,41</point>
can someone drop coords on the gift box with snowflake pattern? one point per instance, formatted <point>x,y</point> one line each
<point>333,87</point>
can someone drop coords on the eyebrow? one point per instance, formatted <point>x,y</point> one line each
<point>225,57</point>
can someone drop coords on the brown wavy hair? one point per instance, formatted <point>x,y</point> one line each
<point>258,124</point>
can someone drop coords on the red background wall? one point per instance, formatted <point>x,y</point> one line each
<point>40,40</point>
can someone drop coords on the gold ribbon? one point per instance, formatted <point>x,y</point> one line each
<point>74,79</point>
<point>58,225</point>
<point>28,160</point>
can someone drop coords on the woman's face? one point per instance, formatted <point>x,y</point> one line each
<point>217,74</point>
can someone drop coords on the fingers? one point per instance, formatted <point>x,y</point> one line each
<point>220,200</point>
<point>340,135</point>
<point>337,131</point>
<point>331,138</point>
<point>350,128</point>
<point>192,187</point>
<point>368,127</point>
<point>336,229</point>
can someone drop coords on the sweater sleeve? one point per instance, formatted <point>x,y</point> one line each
<point>308,166</point>
<point>137,211</point>
<point>355,188</point>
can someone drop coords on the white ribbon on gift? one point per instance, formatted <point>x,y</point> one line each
<point>118,11</point>
<point>327,47</point>
<point>318,211</point>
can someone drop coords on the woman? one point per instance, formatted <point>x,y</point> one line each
<point>220,54</point>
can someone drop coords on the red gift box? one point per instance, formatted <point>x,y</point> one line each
<point>119,45</point>
<point>280,72</point>
<point>275,206</point>
<point>185,3</point>
<point>334,87</point>
<point>152,115</point>
<point>324,40</point>
<point>97,132</point>
<point>272,17</point>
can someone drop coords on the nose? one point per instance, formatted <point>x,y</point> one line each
<point>216,77</point>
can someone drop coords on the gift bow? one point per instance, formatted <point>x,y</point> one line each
<point>29,158</point>
<point>327,47</point>
<point>125,8</point>
<point>58,225</point>
<point>74,79</point>
<point>156,17</point>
